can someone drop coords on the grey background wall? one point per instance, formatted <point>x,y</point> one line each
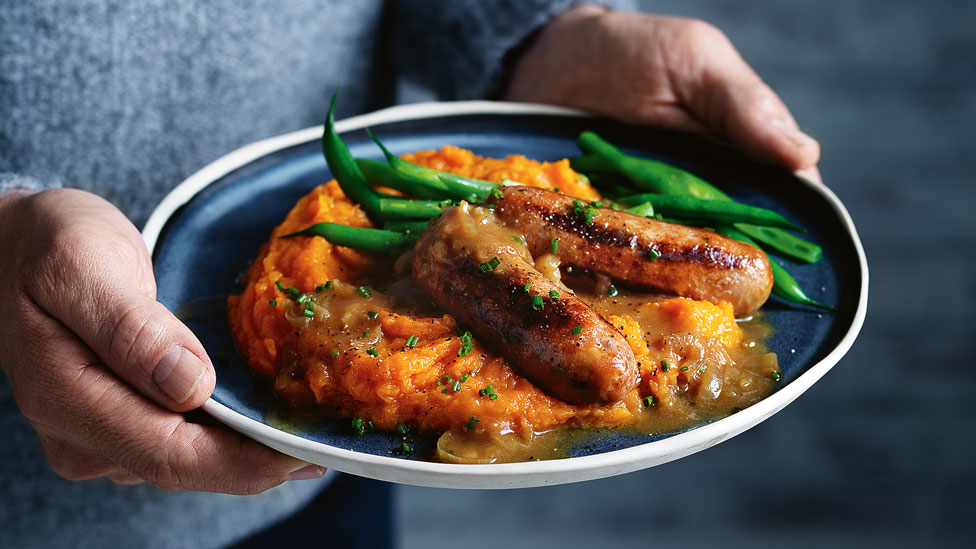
<point>882,449</point>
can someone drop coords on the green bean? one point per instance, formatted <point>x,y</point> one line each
<point>404,208</point>
<point>369,240</point>
<point>383,175</point>
<point>344,168</point>
<point>783,243</point>
<point>645,209</point>
<point>456,187</point>
<point>718,211</point>
<point>784,285</point>
<point>408,227</point>
<point>648,174</point>
<point>610,184</point>
<point>678,182</point>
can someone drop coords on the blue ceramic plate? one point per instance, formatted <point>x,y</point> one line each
<point>205,233</point>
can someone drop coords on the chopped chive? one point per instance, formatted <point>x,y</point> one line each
<point>537,303</point>
<point>279,285</point>
<point>527,288</point>
<point>489,265</point>
<point>358,425</point>
<point>273,302</point>
<point>612,291</point>
<point>308,313</point>
<point>652,254</point>
<point>403,428</point>
<point>457,386</point>
<point>323,287</point>
<point>684,368</point>
<point>464,377</point>
<point>488,391</point>
<point>702,369</point>
<point>412,341</point>
<point>587,213</point>
<point>335,352</point>
<point>665,366</point>
<point>404,449</point>
<point>472,421</point>
<point>553,295</point>
<point>369,425</point>
<point>303,299</point>
<point>364,291</point>
<point>293,292</point>
<point>518,239</point>
<point>596,204</point>
<point>467,343</point>
<point>555,189</point>
<point>555,245</point>
<point>366,333</point>
<point>776,376</point>
<point>372,352</point>
<point>444,379</point>
<point>372,314</point>
<point>649,401</point>
<point>577,330</point>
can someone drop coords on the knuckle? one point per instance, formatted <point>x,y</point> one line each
<point>130,336</point>
<point>701,32</point>
<point>160,475</point>
<point>71,468</point>
<point>155,462</point>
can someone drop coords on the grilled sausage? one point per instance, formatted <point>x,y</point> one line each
<point>452,264</point>
<point>685,261</point>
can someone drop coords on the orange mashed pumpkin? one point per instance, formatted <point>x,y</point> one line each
<point>369,371</point>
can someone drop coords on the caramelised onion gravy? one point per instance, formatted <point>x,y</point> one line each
<point>688,376</point>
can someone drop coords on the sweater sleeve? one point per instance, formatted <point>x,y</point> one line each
<point>9,181</point>
<point>458,49</point>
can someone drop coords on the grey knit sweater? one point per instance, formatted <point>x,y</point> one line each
<point>125,98</point>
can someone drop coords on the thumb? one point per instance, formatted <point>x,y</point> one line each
<point>755,119</point>
<point>721,90</point>
<point>90,270</point>
<point>143,343</point>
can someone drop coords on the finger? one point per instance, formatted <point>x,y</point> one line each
<point>125,479</point>
<point>723,91</point>
<point>95,276</point>
<point>755,120</point>
<point>138,339</point>
<point>99,415</point>
<point>812,173</point>
<point>72,463</point>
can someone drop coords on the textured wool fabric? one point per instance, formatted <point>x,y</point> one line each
<point>126,98</point>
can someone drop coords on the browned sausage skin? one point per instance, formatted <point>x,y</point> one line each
<point>595,366</point>
<point>688,262</point>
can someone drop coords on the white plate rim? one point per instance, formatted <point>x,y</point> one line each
<point>505,475</point>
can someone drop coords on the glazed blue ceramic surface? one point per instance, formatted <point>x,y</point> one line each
<point>205,247</point>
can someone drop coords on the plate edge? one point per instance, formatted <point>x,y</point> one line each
<point>516,475</point>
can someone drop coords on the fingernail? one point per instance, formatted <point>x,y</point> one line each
<point>178,374</point>
<point>306,473</point>
<point>793,134</point>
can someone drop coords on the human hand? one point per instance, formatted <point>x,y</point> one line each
<point>99,367</point>
<point>663,71</point>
